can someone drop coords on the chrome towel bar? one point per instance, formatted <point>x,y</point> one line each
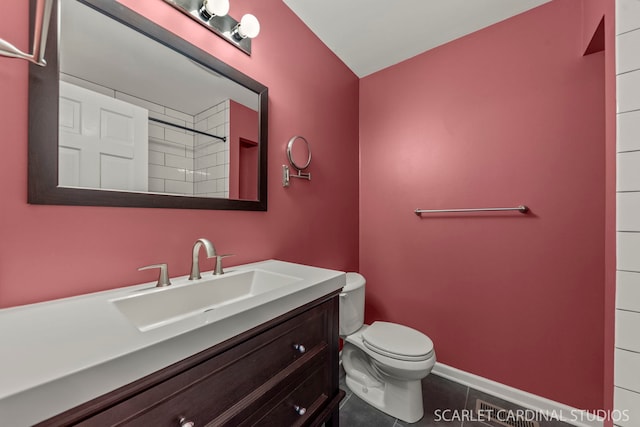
<point>522,209</point>
<point>40,31</point>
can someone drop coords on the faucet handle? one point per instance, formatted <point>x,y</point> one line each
<point>219,269</point>
<point>163,279</point>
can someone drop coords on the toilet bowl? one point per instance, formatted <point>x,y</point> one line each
<point>384,362</point>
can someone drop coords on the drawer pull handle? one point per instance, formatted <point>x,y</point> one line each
<point>300,410</point>
<point>186,423</point>
<point>300,348</point>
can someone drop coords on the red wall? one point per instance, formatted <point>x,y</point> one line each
<point>55,251</point>
<point>511,114</point>
<point>607,8</point>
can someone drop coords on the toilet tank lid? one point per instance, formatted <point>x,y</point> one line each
<point>397,339</point>
<point>354,281</point>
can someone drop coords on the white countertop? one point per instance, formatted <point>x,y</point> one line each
<point>58,354</point>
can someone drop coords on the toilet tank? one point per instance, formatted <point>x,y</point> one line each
<point>352,304</point>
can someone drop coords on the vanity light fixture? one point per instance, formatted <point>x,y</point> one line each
<point>211,8</point>
<point>248,27</point>
<point>213,15</point>
<point>40,32</point>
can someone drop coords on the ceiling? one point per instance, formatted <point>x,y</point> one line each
<point>369,35</point>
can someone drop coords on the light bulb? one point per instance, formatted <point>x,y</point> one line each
<point>249,26</point>
<point>211,8</point>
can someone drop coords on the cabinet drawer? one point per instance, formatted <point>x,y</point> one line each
<point>300,405</point>
<point>210,388</point>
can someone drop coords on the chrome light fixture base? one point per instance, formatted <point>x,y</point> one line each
<point>223,26</point>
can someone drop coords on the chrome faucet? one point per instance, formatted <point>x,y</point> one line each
<point>195,266</point>
<point>218,271</point>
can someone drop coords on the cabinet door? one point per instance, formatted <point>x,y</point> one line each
<point>230,380</point>
<point>299,406</point>
<point>255,378</point>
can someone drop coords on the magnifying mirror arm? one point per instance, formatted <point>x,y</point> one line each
<point>302,175</point>
<point>286,175</point>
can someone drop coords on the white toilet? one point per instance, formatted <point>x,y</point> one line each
<point>384,362</point>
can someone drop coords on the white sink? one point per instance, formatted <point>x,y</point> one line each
<point>161,306</point>
<point>104,340</point>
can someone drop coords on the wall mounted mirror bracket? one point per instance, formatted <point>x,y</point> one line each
<point>299,155</point>
<point>223,26</point>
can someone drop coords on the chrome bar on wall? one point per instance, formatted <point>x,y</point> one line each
<point>522,209</point>
<point>40,31</point>
<point>164,122</point>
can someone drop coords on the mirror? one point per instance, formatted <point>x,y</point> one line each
<point>299,155</point>
<point>128,114</point>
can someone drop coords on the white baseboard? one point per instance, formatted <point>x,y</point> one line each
<point>577,417</point>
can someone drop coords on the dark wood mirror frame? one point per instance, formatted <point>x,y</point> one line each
<point>43,125</point>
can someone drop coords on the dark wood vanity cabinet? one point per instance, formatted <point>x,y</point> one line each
<point>281,373</point>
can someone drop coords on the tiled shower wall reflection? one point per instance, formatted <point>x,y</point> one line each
<point>627,352</point>
<point>181,162</point>
<point>211,177</point>
<point>170,150</point>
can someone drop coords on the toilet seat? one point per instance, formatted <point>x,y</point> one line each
<point>397,341</point>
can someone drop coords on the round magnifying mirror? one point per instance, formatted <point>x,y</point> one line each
<point>299,153</point>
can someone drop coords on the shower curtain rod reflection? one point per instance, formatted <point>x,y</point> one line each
<point>222,138</point>
<point>522,209</point>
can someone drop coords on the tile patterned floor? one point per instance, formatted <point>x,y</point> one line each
<point>439,394</point>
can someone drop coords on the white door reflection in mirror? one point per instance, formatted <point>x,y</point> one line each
<point>103,142</point>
